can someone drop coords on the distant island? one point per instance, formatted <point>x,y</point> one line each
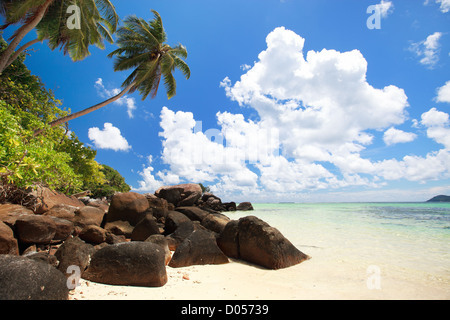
<point>440,198</point>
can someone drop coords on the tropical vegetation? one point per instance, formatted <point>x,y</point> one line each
<point>57,159</point>
<point>142,47</point>
<point>36,145</point>
<point>95,21</point>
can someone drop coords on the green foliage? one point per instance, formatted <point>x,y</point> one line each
<point>205,189</point>
<point>98,21</point>
<point>55,159</point>
<point>26,160</point>
<point>114,182</point>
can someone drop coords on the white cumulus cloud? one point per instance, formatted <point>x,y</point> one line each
<point>317,115</point>
<point>444,5</point>
<point>108,138</point>
<point>428,49</point>
<point>393,136</point>
<point>443,93</point>
<point>386,8</point>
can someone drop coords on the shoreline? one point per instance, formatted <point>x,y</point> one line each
<point>237,280</point>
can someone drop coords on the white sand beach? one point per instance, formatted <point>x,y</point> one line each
<point>354,256</point>
<point>312,279</point>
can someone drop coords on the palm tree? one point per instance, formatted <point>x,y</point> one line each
<point>142,46</point>
<point>98,20</point>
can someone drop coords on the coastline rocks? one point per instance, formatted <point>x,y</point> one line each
<point>160,240</point>
<point>193,213</point>
<point>213,203</point>
<point>130,242</point>
<point>189,200</point>
<point>215,222</point>
<point>64,228</point>
<point>62,211</point>
<point>128,206</point>
<point>88,215</point>
<point>144,229</point>
<point>255,241</point>
<point>93,234</point>
<point>98,203</point>
<point>198,249</point>
<point>159,206</point>
<point>229,206</point>
<point>130,264</point>
<point>43,257</point>
<point>10,212</point>
<point>228,240</point>
<point>46,199</point>
<point>8,244</point>
<point>180,195</point>
<point>119,228</point>
<point>27,279</point>
<point>74,252</point>
<point>177,228</point>
<point>35,229</point>
<point>244,206</point>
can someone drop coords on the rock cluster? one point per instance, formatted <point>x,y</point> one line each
<point>128,241</point>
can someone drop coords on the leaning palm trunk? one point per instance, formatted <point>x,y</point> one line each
<point>19,51</point>
<point>86,111</point>
<point>21,33</point>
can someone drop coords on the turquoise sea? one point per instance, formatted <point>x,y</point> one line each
<point>407,241</point>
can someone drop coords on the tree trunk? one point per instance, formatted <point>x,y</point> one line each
<point>21,49</point>
<point>21,33</point>
<point>86,111</point>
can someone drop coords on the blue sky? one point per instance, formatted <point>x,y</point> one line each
<point>298,101</point>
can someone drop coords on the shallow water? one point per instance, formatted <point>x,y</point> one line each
<point>409,241</point>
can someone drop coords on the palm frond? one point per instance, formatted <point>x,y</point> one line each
<point>170,84</point>
<point>158,28</point>
<point>182,66</point>
<point>141,45</point>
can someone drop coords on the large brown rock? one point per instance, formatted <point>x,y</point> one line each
<point>119,228</point>
<point>145,228</point>
<point>181,194</point>
<point>244,206</point>
<point>43,256</point>
<point>64,228</point>
<point>93,234</point>
<point>159,206</point>
<point>8,244</point>
<point>211,203</point>
<point>189,199</point>
<point>10,212</point>
<point>46,199</point>
<point>160,240</point>
<point>177,228</point>
<point>228,240</point>
<point>170,194</point>
<point>199,248</point>
<point>27,279</point>
<point>88,215</point>
<point>74,252</point>
<point>174,220</point>
<point>62,211</point>
<point>257,242</point>
<point>128,206</point>
<point>98,203</point>
<point>130,264</point>
<point>35,229</point>
<point>215,222</point>
<point>193,213</point>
